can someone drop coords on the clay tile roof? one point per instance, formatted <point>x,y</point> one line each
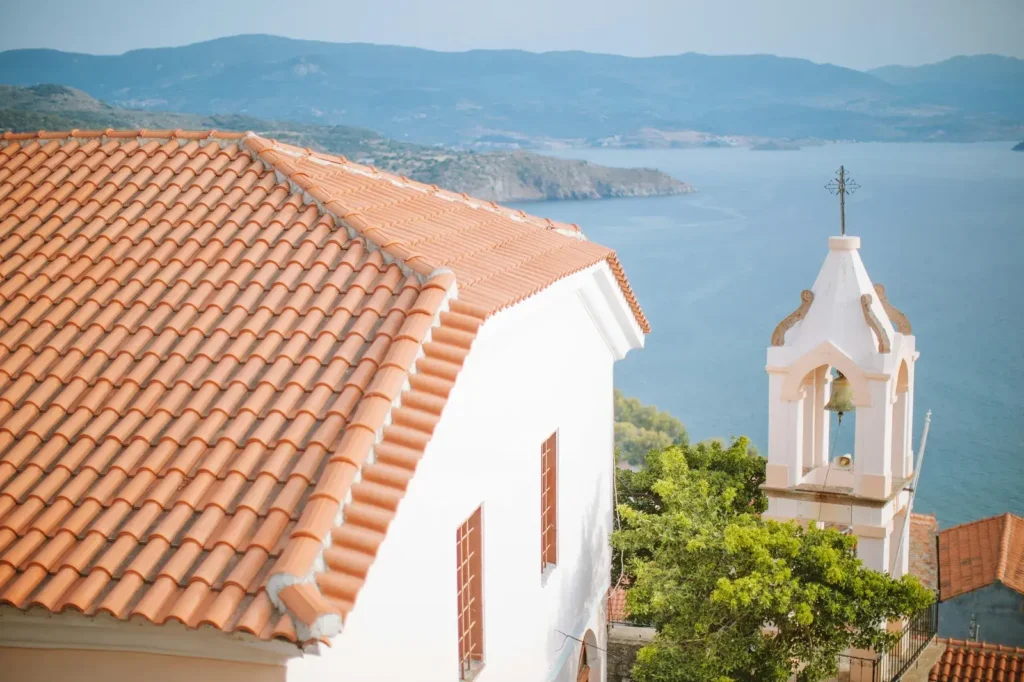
<point>202,338</point>
<point>978,662</point>
<point>976,554</point>
<point>488,247</point>
<point>618,610</point>
<point>923,551</point>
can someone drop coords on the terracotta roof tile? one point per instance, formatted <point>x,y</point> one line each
<point>923,549</point>
<point>976,554</point>
<point>618,611</point>
<point>499,256</point>
<point>978,662</point>
<point>202,337</point>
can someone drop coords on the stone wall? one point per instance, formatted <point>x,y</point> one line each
<point>623,643</point>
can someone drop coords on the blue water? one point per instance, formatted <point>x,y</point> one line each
<point>942,227</point>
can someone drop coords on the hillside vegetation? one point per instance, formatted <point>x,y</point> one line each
<point>497,176</point>
<point>641,428</point>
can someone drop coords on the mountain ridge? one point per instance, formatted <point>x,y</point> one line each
<point>970,66</point>
<point>560,97</point>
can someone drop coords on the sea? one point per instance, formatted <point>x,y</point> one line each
<point>942,227</point>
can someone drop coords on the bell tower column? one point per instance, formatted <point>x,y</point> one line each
<point>785,419</point>
<point>899,561</point>
<point>873,443</point>
<point>823,384</point>
<point>900,442</point>
<point>873,551</point>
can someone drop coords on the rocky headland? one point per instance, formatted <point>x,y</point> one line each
<point>496,176</point>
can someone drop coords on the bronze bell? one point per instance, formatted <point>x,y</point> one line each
<point>841,399</point>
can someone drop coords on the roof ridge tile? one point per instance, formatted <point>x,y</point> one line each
<point>1004,547</point>
<point>304,571</point>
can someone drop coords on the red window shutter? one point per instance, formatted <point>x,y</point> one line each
<point>469,573</point>
<point>584,670</point>
<point>549,502</point>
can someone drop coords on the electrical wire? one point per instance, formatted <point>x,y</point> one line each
<point>904,532</point>
<point>568,637</point>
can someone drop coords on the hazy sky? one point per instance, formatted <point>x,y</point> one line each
<point>855,33</point>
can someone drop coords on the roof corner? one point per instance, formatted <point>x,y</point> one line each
<point>314,618</point>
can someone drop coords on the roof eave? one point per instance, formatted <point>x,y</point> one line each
<point>611,313</point>
<point>39,628</point>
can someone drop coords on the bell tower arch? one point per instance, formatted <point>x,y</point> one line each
<point>845,349</point>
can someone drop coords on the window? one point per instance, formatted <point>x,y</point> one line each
<point>549,502</point>
<point>469,572</point>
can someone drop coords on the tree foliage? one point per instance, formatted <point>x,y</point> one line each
<point>641,428</point>
<point>735,598</point>
<point>734,467</point>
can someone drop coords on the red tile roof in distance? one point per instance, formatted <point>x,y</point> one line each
<point>976,554</point>
<point>618,609</point>
<point>923,550</point>
<point>978,662</point>
<point>220,361</point>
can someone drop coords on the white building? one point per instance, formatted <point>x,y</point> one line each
<point>266,414</point>
<point>844,323</point>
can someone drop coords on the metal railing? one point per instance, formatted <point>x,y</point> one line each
<point>916,635</point>
<point>856,669</point>
<point>891,665</point>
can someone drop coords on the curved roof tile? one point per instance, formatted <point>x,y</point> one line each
<point>201,336</point>
<point>978,662</point>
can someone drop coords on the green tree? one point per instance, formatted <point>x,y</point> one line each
<point>641,428</point>
<point>738,599</point>
<point>734,467</point>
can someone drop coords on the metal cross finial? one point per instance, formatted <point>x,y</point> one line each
<point>842,186</point>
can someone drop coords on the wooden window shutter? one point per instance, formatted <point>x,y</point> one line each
<point>549,502</point>
<point>469,573</point>
<point>584,669</point>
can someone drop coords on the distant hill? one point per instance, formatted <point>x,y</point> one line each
<point>498,176</point>
<point>984,84</point>
<point>516,98</point>
<point>1019,147</point>
<point>992,69</point>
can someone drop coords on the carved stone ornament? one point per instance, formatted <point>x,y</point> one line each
<point>898,319</point>
<point>779,335</point>
<point>872,320</point>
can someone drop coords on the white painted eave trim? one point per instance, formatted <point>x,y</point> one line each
<point>41,629</point>
<point>610,311</point>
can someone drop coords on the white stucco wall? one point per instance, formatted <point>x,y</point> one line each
<point>538,367</point>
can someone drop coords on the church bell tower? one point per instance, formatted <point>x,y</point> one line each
<point>847,350</point>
